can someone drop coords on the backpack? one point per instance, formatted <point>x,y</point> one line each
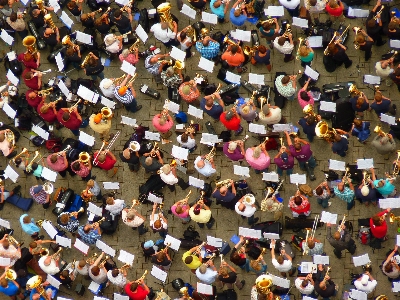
<point>54,145</point>
<point>190,233</point>
<point>364,235</point>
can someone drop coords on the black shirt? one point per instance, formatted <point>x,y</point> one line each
<point>132,160</point>
<point>122,23</point>
<point>75,11</point>
<point>39,20</point>
<point>395,35</point>
<point>103,28</point>
<point>164,263</point>
<point>88,23</point>
<point>51,40</point>
<point>367,47</point>
<point>239,262</point>
<point>341,55</point>
<point>95,70</point>
<point>74,58</point>
<point>230,279</point>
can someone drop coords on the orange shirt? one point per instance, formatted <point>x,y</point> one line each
<point>234,60</point>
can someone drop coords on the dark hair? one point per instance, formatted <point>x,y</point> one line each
<point>266,26</point>
<point>371,23</point>
<point>28,75</point>
<point>134,286</point>
<point>188,260</point>
<point>184,137</point>
<point>234,49</point>
<point>65,116</point>
<point>65,274</point>
<point>360,102</point>
<point>357,123</point>
<point>298,200</point>
<point>333,49</point>
<point>397,72</point>
<point>311,120</point>
<point>70,51</point>
<point>95,270</point>
<point>117,13</point>
<point>389,267</point>
<point>262,49</point>
<point>319,191</point>
<point>13,17</point>
<point>182,35</point>
<point>92,61</point>
<point>71,4</point>
<point>312,2</point>
<point>392,25</point>
<point>285,79</point>
<point>304,96</point>
<point>115,273</point>
<point>281,40</point>
<point>34,166</point>
<point>76,166</point>
<point>18,160</point>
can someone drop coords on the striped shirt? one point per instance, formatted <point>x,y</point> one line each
<point>153,69</point>
<point>125,99</point>
<point>39,197</point>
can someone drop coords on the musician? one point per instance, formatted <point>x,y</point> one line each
<point>8,250</point>
<point>87,19</point>
<point>117,277</point>
<point>323,194</point>
<point>258,158</point>
<point>114,206</point>
<point>335,10</point>
<point>35,295</point>
<point>366,193</point>
<point>123,23</point>
<point>164,34</point>
<point>246,211</point>
<point>382,105</point>
<point>29,60</point>
<point>130,155</point>
<point>32,79</point>
<point>301,150</point>
<point>5,145</point>
<point>17,23</point>
<point>378,225</point>
<point>395,76</point>
<point>98,273</point>
<point>201,214</point>
<point>162,260</point>
<point>204,166</point>
<point>71,119</point>
<point>33,98</point>
<point>384,144</point>
<point>324,286</point>
<point>207,273</point>
<point>37,17</point>
<point>171,79</point>
<point>93,189</point>
<point>231,121</point>
<point>390,267</point>
<point>305,285</point>
<point>219,8</point>
<point>234,57</point>
<point>168,175</point>
<point>75,8</point>
<point>89,233</point>
<point>185,41</point>
<point>58,162</point>
<point>127,95</point>
<point>158,222</point>
<point>100,126</point>
<point>341,143</point>
<point>136,290</point>
<point>393,31</point>
<point>227,277</point>
<point>73,56</point>
<point>306,54</point>
<point>345,193</point>
<point>366,283</point>
<point>365,42</point>
<point>238,14</point>
<point>384,186</point>
<point>6,7</point>
<point>68,221</point>
<point>103,24</point>
<point>154,64</point>
<point>181,210</point>
<point>106,160</point>
<point>208,48</point>
<point>47,112</point>
<point>40,196</point>
<point>28,226</point>
<point>129,57</point>
<point>270,115</point>
<point>94,67</point>
<point>284,161</point>
<point>232,151</point>
<point>189,91</point>
<point>305,97</point>
<point>107,87</point>
<point>212,108</point>
<point>299,205</point>
<point>135,220</point>
<point>113,43</point>
<point>340,240</point>
<point>226,197</point>
<point>285,45</point>
<point>262,56</point>
<point>151,164</point>
<point>338,52</point>
<point>82,267</point>
<point>359,104</point>
<point>384,68</point>
<point>10,288</point>
<point>187,141</point>
<point>51,37</point>
<point>49,264</point>
<point>316,7</point>
<point>374,24</point>
<point>163,123</point>
<point>283,263</point>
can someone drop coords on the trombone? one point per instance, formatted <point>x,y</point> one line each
<point>198,249</point>
<point>74,106</point>
<point>81,210</point>
<point>142,277</point>
<point>210,260</point>
<point>342,224</point>
<point>312,230</point>
<point>24,151</point>
<point>378,14</point>
<point>29,166</point>
<point>92,259</point>
<point>97,223</point>
<point>396,168</point>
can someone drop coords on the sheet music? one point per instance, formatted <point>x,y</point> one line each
<point>204,289</point>
<point>311,73</point>
<point>279,281</point>
<point>63,88</point>
<point>328,106</point>
<point>257,128</point>
<point>159,274</point>
<point>59,62</point>
<point>389,203</point>
<point>208,138</point>
<point>327,217</point>
<point>361,260</point>
<point>128,68</point>
<point>86,138</point>
<point>105,248</point>
<point>241,171</point>
<point>5,223</point>
<point>126,257</point>
<point>5,261</point>
<point>212,241</point>
<point>251,233</point>
<point>372,79</point>
<point>49,175</point>
<point>62,241</point>
<point>358,13</point>
<point>209,18</point>
<point>195,112</point>
<point>81,246</point>
<point>281,127</point>
<point>298,178</point>
<point>10,173</point>
<point>51,231</point>
<point>358,295</point>
<point>241,35</point>
<point>66,19</point>
<point>271,176</point>
<point>11,76</point>
<point>337,165</point>
<point>153,198</point>
<point>85,93</point>
<point>107,102</point>
<point>315,41</point>
<point>232,77</point>
<point>153,136</point>
<point>394,44</point>
<point>84,38</point>
<point>196,182</point>
<point>274,11</point>
<point>172,106</point>
<point>308,267</point>
<point>207,65</point>
<point>398,240</point>
<point>100,298</point>
<point>365,163</point>
<point>271,236</point>
<point>396,286</point>
<point>40,132</point>
<point>388,119</point>
<point>11,56</point>
<point>180,126</point>
<point>122,2</point>
<point>120,297</point>
<point>307,298</point>
<point>8,39</point>
<point>98,211</point>
<point>9,111</point>
<point>54,4</point>
<point>94,287</point>
<point>256,78</point>
<point>178,54</point>
<point>175,243</point>
<point>190,12</point>
<point>111,185</point>
<point>141,33</point>
<point>180,153</point>
<point>128,121</point>
<point>54,282</point>
<point>299,22</point>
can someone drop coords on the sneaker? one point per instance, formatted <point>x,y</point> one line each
<point>256,220</point>
<point>139,107</point>
<point>329,204</point>
<point>242,282</point>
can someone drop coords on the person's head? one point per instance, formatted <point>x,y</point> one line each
<point>357,123</point>
<point>101,158</point>
<point>53,158</point>
<point>6,244</point>
<point>125,53</point>
<point>364,279</point>
<point>200,164</point>
<point>65,116</point>
<point>378,220</point>
<point>223,190</point>
<point>188,259</point>
<point>2,137</point>
<point>389,267</point>
<point>148,161</point>
<point>87,228</point>
<point>49,31</point>
<point>340,186</point>
<point>333,4</point>
<point>107,83</point>
<point>186,89</point>
<point>203,269</point>
<point>47,261</point>
<point>115,272</point>
<point>384,140</point>
<point>170,71</point>
<point>162,120</point>
<point>266,109</point>
<point>28,57</point>
<point>33,245</point>
<point>285,79</point>
<point>26,219</point>
<point>95,270</point>
<point>206,41</point>
<point>13,17</point>
<point>130,215</point>
<point>117,13</point>
<point>280,259</point>
<point>44,109</point>
<point>197,209</point>
<point>182,35</point>
<point>224,271</point>
<point>262,49</point>
<point>267,26</point>
<point>82,263</point>
<point>311,120</point>
<point>65,274</point>
<point>336,235</point>
<point>34,166</point>
<point>164,25</point>
<point>232,146</point>
<point>304,50</point>
<point>304,96</point>
<point>234,49</point>
<point>378,97</point>
<point>333,49</point>
<point>304,283</point>
<point>184,137</point>
<point>3,282</point>
<point>360,38</point>
<point>322,285</point>
<point>18,161</point>
<point>297,146</point>
<point>92,61</point>
<point>76,166</point>
<point>110,201</point>
<point>256,152</point>
<point>298,200</point>
<point>217,3</point>
<point>312,2</point>
<point>71,4</point>
<point>381,183</point>
<point>237,12</point>
<point>209,102</point>
<point>35,12</point>
<point>166,169</point>
<point>245,109</point>
<point>392,25</point>
<point>359,102</point>
<point>319,190</point>
<point>28,75</point>
<point>157,224</point>
<point>229,115</point>
<point>64,218</point>
<point>281,41</point>
<point>311,243</point>
<point>160,256</point>
<point>179,209</point>
<point>134,286</point>
<point>371,23</point>
<point>365,191</point>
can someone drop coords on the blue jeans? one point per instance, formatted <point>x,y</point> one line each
<point>323,202</point>
<point>311,163</point>
<point>310,137</point>
<point>280,171</point>
<point>132,107</point>
<point>100,75</point>
<point>261,171</point>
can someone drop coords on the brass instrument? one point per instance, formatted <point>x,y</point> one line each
<point>282,142</point>
<point>191,33</point>
<point>340,38</point>
<point>309,110</point>
<point>342,223</point>
<point>378,130</point>
<point>92,259</point>
<point>210,259</point>
<point>326,51</point>
<point>117,81</point>
<point>11,274</point>
<point>312,230</point>
<point>184,292</point>
<point>366,177</point>
<point>132,79</point>
<point>250,51</point>
<point>356,30</point>
<point>39,223</point>
<point>354,91</point>
<point>269,21</point>
<point>324,131</point>
<point>74,106</point>
<point>179,65</point>
<point>378,14</point>
<point>81,210</point>
<point>101,264</point>
<point>263,251</point>
<point>48,187</point>
<point>301,40</point>
<point>164,12</point>
<point>166,247</point>
<point>228,41</point>
<point>84,157</point>
<point>270,190</point>
<point>129,5</point>
<point>86,195</point>
<point>135,203</point>
<point>85,61</point>
<point>56,255</point>
<point>211,154</point>
<point>29,166</point>
<point>167,61</point>
<point>190,129</point>
<point>40,5</point>
<point>396,168</point>
<point>392,218</point>
<point>288,31</point>
<point>35,282</point>
<point>226,182</point>
<point>44,252</point>
<point>10,137</point>
<point>24,151</point>
<point>60,153</point>
<point>327,273</point>
<point>13,241</point>
<point>29,42</point>
<point>142,277</point>
<point>95,224</point>
<point>198,249</point>
<point>246,242</point>
<point>153,152</point>
<point>134,46</point>
<point>106,113</point>
<point>49,21</point>
<point>45,92</point>
<point>67,41</point>
<point>263,284</point>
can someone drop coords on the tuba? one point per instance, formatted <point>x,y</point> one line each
<point>11,274</point>
<point>106,113</point>
<point>29,166</point>
<point>324,131</point>
<point>309,110</point>
<point>180,65</point>
<point>49,21</point>
<point>36,283</point>
<point>48,188</point>
<point>29,43</point>
<point>84,157</point>
<point>356,30</point>
<point>263,284</point>
<point>164,12</point>
<point>353,90</point>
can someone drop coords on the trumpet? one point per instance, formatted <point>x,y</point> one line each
<point>13,241</point>
<point>92,259</point>
<point>86,195</point>
<point>132,79</point>
<point>222,259</point>
<point>226,182</point>
<point>142,277</point>
<point>346,174</point>
<point>245,244</point>
<point>74,106</point>
<point>198,249</point>
<point>117,81</point>
<point>85,61</point>
<point>63,151</point>
<point>24,151</point>
<point>260,257</point>
<point>210,260</point>
<point>327,273</point>
<point>282,142</point>
<point>101,265</point>
<point>396,164</point>
<point>211,154</point>
<point>154,150</point>
<point>378,14</point>
<point>366,178</point>
<point>342,223</point>
<point>129,5</point>
<point>166,247</point>
<point>56,255</point>
<point>135,203</point>
<point>378,130</point>
<point>123,35</point>
<point>81,210</point>
<point>45,92</point>
<point>125,266</point>
<point>134,46</point>
<point>167,61</point>
<point>29,166</point>
<point>95,224</point>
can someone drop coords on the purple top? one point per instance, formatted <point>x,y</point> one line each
<point>302,102</point>
<point>303,155</point>
<point>235,156</point>
<point>289,164</point>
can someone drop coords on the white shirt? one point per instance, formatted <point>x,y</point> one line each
<point>289,4</point>
<point>51,269</point>
<point>119,281</point>
<point>114,47</point>
<point>248,212</point>
<point>285,267</point>
<point>304,290</point>
<point>366,288</point>
<point>207,170</point>
<point>382,72</point>
<point>84,271</point>
<point>117,207</point>
<point>99,279</point>
<point>189,144</point>
<point>162,35</point>
<point>273,118</point>
<point>286,48</point>
<point>208,277</point>
<point>109,93</point>
<point>168,178</point>
<point>163,224</point>
<point>183,43</point>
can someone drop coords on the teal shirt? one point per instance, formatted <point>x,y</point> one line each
<point>217,11</point>
<point>38,171</point>
<point>308,58</point>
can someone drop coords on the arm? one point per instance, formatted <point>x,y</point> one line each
<point>289,140</point>
<point>98,259</point>
<point>233,187</point>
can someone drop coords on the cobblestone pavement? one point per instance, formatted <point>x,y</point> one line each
<point>227,222</point>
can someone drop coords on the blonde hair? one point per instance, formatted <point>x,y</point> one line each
<point>166,169</point>
<point>304,50</point>
<point>257,152</point>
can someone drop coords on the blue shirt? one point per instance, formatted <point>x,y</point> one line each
<point>29,228</point>
<point>217,11</point>
<point>227,198</point>
<point>269,33</point>
<point>381,108</point>
<point>209,51</point>
<point>363,107</point>
<point>342,146</point>
<point>387,189</point>
<point>89,238</point>
<point>10,290</point>
<point>214,112</point>
<point>237,21</point>
<point>307,129</point>
<point>346,195</point>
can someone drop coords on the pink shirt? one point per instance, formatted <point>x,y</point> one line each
<point>83,172</point>
<point>185,213</point>
<point>304,103</point>
<point>260,163</point>
<point>131,58</point>
<point>58,166</point>
<point>162,128</point>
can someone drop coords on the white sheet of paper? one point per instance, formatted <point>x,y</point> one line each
<point>10,173</point>
<point>195,112</point>
<point>364,164</point>
<point>298,178</point>
<point>11,55</point>
<point>9,111</point>
<point>361,260</point>
<point>311,73</point>
<point>55,5</point>
<point>281,127</point>
<point>178,54</point>
<point>122,2</point>
<point>153,136</point>
<point>212,241</point>
<point>180,126</point>
<point>128,121</point>
<point>394,43</point>
<point>232,77</point>
<point>209,18</point>
<point>105,248</point>
<point>94,287</point>
<point>271,236</point>
<point>372,79</point>
<point>241,171</point>
<point>396,286</point>
<point>274,11</point>
<point>120,297</point>
<point>337,165</point>
<point>5,223</point>
<point>49,228</point>
<point>252,233</point>
<point>141,33</point>
<point>358,13</point>
<point>256,78</point>
<point>111,185</point>
<point>63,88</point>
<point>398,240</point>
<point>11,76</point>
<point>179,152</point>
<point>54,282</point>
<point>8,39</point>
<point>126,257</point>
<point>40,132</point>
<point>204,289</point>
<point>196,182</point>
<point>95,209</point>
<point>66,19</point>
<point>257,128</point>
<point>315,41</point>
<point>85,93</point>
<point>153,198</point>
<point>84,38</point>
<point>279,281</point>
<point>5,261</point>
<point>308,267</point>
<point>188,11</point>
<point>389,203</point>
<point>299,22</point>
<point>59,62</point>
<point>107,102</point>
<point>321,259</point>
<point>328,106</point>
<point>207,65</point>
<point>159,274</point>
<point>175,243</point>
<point>388,119</point>
<point>172,106</point>
<point>207,138</point>
<point>25,2</point>
<point>62,241</point>
<point>242,35</point>
<point>81,246</point>
<point>358,295</point>
<point>327,217</point>
<point>271,176</point>
<point>128,68</point>
<point>49,175</point>
<point>86,138</point>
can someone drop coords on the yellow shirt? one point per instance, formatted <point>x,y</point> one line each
<point>100,128</point>
<point>195,262</point>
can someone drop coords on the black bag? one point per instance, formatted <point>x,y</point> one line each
<point>190,233</point>
<point>297,224</point>
<point>327,115</point>
<point>15,66</point>
<point>225,249</point>
<point>219,37</point>
<point>329,63</point>
<point>269,227</point>
<point>210,89</point>
<point>344,117</point>
<point>144,19</point>
<point>189,244</point>
<point>227,295</point>
<point>38,141</point>
<point>208,190</point>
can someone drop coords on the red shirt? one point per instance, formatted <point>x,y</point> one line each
<point>49,116</point>
<point>335,12</point>
<point>33,83</point>
<point>108,164</point>
<point>73,123</point>
<point>232,124</point>
<point>380,231</point>
<point>33,102</point>
<point>28,64</point>
<point>140,294</point>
